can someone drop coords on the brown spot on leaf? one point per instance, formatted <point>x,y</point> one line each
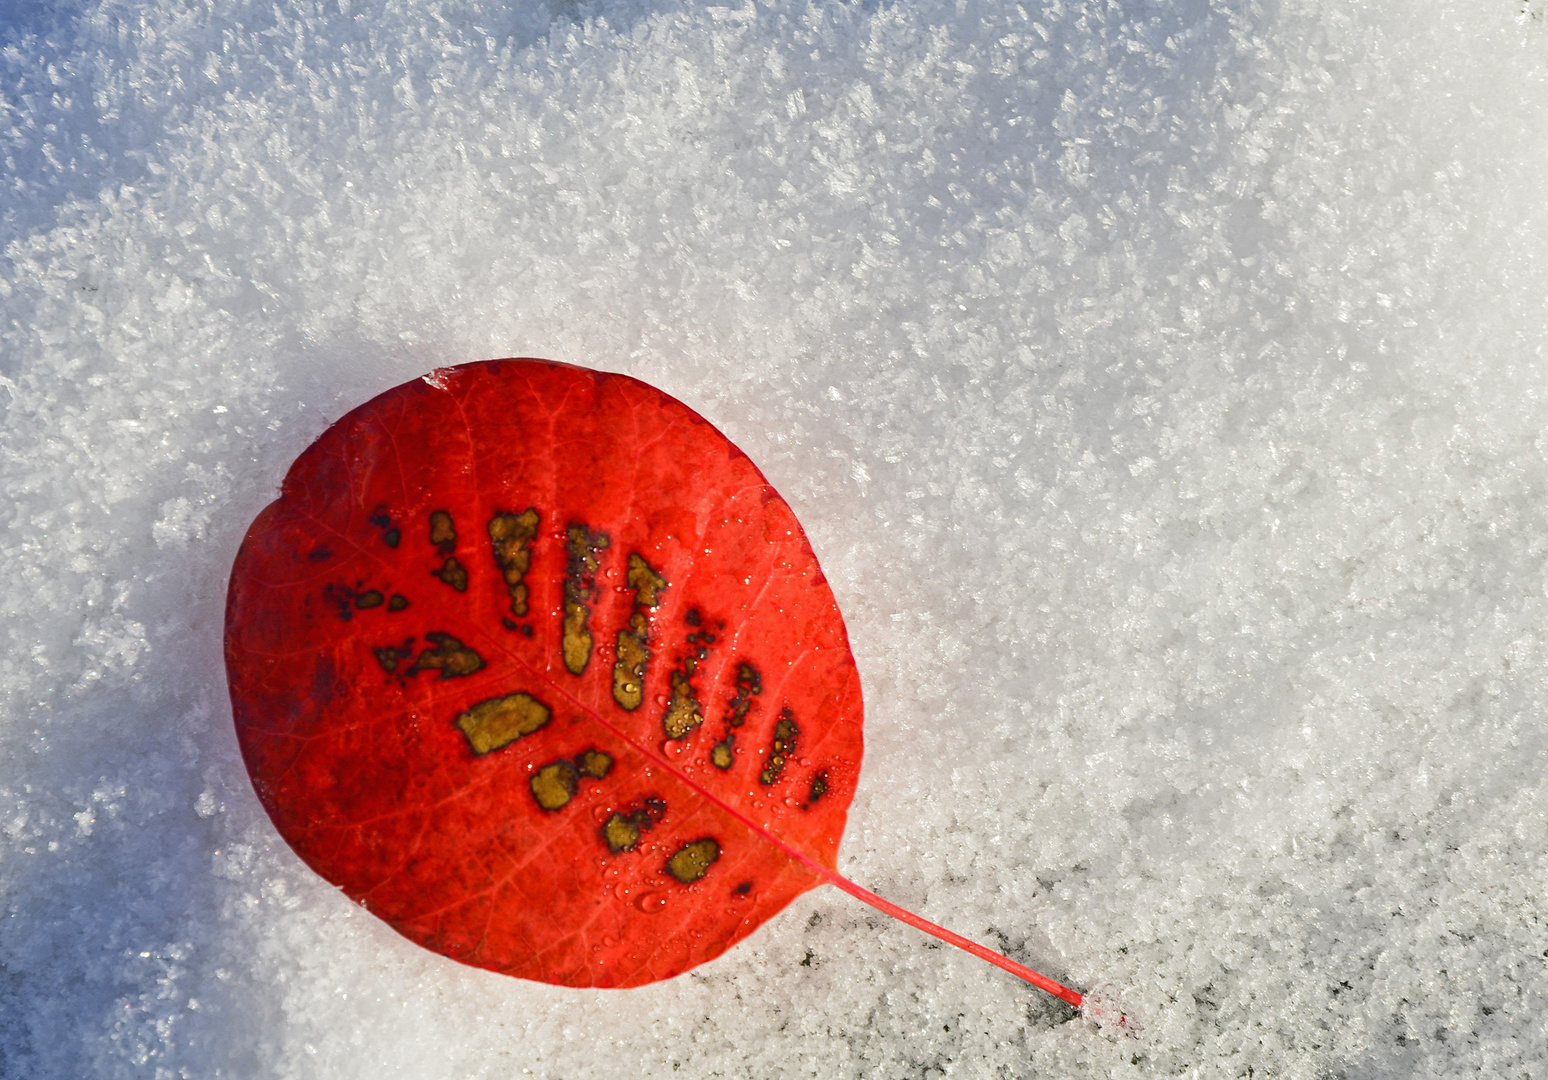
<point>383,520</point>
<point>621,833</point>
<point>743,889</point>
<point>622,830</point>
<point>723,756</point>
<point>443,534</point>
<point>633,656</point>
<point>819,788</point>
<point>580,586</point>
<point>633,641</point>
<point>453,573</point>
<point>397,603</point>
<point>749,684</point>
<point>576,643</point>
<point>785,733</point>
<point>692,861</point>
<point>345,600</point>
<point>594,763</point>
<point>390,656</point>
<point>511,535</point>
<point>683,713</point>
<point>554,785</point>
<point>646,583</point>
<point>500,721</point>
<point>448,656</point>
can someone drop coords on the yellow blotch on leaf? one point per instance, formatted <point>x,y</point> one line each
<point>646,583</point>
<point>682,714</point>
<point>692,861</point>
<point>510,535</point>
<point>633,653</point>
<point>500,721</point>
<point>722,756</point>
<point>621,833</point>
<point>583,548</point>
<point>554,785</point>
<point>594,763</point>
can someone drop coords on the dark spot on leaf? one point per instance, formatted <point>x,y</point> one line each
<point>743,889</point>
<point>343,599</point>
<point>397,603</point>
<point>511,536</point>
<point>749,684</point>
<point>443,534</point>
<point>448,656</point>
<point>594,763</point>
<point>633,656</point>
<point>580,586</point>
<point>622,830</point>
<point>646,583</point>
<point>443,537</point>
<point>320,554</point>
<point>633,640</point>
<point>819,788</point>
<point>692,861</point>
<point>383,520</point>
<point>555,784</point>
<point>785,733</point>
<point>453,573</point>
<point>683,712</point>
<point>390,657</point>
<point>500,721</point>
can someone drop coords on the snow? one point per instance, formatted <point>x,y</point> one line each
<point>1161,385</point>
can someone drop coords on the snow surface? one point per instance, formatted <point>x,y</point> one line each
<point>1161,384</point>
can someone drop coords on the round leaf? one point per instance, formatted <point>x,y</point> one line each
<point>536,666</point>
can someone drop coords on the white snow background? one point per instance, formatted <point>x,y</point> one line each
<point>1161,384</point>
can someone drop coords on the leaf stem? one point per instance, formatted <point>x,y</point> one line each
<point>1021,971</point>
<point>887,907</point>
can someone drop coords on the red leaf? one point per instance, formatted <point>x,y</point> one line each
<point>525,657</point>
<point>535,665</point>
